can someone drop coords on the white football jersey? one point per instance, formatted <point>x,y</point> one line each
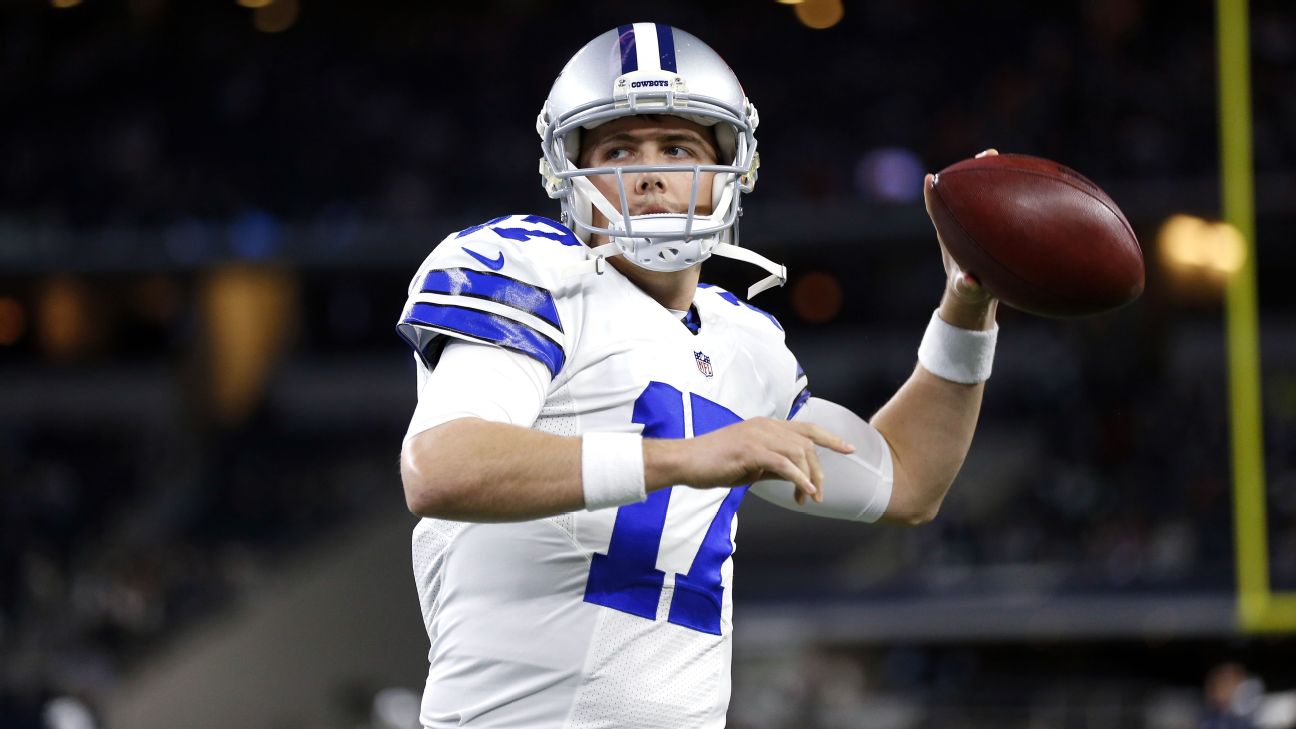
<point>611,618</point>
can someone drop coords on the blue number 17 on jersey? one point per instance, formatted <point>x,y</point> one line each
<point>627,578</point>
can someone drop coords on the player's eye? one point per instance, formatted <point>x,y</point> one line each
<point>679,151</point>
<point>616,154</point>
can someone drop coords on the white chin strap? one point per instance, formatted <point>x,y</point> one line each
<point>662,238</point>
<point>777,271</point>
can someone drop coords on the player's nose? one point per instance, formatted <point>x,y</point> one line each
<point>651,182</point>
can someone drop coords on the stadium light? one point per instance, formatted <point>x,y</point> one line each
<point>817,297</point>
<point>1190,243</point>
<point>13,321</point>
<point>275,16</point>
<point>819,14</point>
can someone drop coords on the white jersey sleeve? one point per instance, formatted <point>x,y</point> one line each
<point>473,380</point>
<point>500,283</point>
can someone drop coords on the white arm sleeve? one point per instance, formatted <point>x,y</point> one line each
<point>856,487</point>
<point>473,380</point>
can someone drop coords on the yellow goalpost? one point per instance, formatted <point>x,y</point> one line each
<point>1260,609</point>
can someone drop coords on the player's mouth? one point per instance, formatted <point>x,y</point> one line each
<point>654,210</point>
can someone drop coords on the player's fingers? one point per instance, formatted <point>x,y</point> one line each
<point>946,259</point>
<point>992,152</point>
<point>783,467</point>
<point>822,436</point>
<point>969,288</point>
<point>797,454</point>
<point>928,191</point>
<point>953,272</point>
<point>969,284</point>
<point>805,458</point>
<point>965,285</point>
<point>816,471</point>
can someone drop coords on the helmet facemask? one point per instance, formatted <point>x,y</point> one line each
<point>580,101</point>
<point>656,241</point>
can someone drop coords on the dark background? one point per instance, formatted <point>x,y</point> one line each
<point>206,231</point>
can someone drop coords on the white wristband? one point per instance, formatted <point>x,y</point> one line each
<point>955,354</point>
<point>612,469</point>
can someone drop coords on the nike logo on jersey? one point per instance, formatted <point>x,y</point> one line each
<point>493,264</point>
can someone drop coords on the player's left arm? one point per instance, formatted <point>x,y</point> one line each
<point>906,458</point>
<point>930,420</point>
<point>908,455</point>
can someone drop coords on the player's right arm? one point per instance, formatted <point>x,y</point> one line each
<point>471,457</point>
<point>496,293</point>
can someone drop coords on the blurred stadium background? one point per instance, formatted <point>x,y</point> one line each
<point>209,212</point>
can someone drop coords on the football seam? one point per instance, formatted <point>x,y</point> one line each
<point>1026,282</point>
<point>1119,215</point>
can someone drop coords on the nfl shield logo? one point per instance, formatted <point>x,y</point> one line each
<point>703,363</point>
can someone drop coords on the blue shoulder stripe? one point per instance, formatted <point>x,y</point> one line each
<point>494,287</point>
<point>490,328</point>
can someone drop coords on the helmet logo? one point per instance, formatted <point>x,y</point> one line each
<point>658,83</point>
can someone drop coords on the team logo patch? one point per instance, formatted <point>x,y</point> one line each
<point>704,364</point>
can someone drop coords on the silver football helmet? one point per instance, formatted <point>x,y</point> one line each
<point>648,68</point>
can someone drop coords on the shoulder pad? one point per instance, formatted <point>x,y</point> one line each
<point>521,229</point>
<point>528,248</point>
<point>735,301</point>
<point>500,282</point>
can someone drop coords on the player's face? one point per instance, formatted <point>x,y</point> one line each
<point>651,140</point>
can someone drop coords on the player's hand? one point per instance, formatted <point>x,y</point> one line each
<point>745,452</point>
<point>961,285</point>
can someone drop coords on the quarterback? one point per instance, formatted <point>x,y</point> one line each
<point>591,415</point>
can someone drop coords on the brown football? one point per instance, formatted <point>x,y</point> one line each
<point>1038,235</point>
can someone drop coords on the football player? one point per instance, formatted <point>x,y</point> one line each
<point>590,415</point>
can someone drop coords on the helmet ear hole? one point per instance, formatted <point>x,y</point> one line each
<point>726,143</point>
<point>571,145</point>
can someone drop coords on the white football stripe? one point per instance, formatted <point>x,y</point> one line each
<point>646,47</point>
